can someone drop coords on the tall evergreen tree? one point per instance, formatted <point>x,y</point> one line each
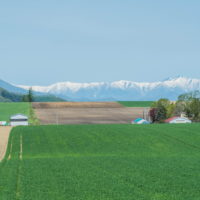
<point>28,97</point>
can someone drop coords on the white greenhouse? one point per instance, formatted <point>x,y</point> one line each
<point>19,120</point>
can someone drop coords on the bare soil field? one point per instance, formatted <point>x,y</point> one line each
<point>85,113</point>
<point>4,135</point>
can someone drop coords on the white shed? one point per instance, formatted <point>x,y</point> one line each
<point>19,120</point>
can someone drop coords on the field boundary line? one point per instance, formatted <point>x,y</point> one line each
<point>21,148</point>
<point>10,153</point>
<point>19,169</point>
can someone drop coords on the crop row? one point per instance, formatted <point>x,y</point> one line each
<point>102,162</point>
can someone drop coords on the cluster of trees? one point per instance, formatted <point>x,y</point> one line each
<point>187,104</point>
<point>6,96</point>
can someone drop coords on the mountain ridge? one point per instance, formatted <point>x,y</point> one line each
<point>120,90</point>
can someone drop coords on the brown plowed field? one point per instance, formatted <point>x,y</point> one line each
<point>77,105</point>
<point>85,113</point>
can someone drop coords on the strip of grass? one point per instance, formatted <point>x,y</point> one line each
<point>33,120</point>
<point>103,162</point>
<point>8,109</point>
<point>136,103</point>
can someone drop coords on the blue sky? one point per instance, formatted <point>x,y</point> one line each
<point>46,41</point>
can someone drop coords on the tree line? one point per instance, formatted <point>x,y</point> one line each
<point>187,104</point>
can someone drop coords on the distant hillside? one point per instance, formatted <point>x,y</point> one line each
<point>190,95</point>
<point>6,96</point>
<point>11,88</point>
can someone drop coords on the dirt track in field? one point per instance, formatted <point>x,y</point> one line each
<point>85,113</point>
<point>4,136</point>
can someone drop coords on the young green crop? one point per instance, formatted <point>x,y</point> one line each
<point>102,162</point>
<point>136,103</point>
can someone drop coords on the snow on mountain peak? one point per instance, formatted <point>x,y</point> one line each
<point>121,90</point>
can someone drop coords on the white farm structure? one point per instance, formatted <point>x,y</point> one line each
<point>19,120</point>
<point>178,120</point>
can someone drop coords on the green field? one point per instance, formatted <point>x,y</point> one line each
<point>102,162</point>
<point>136,103</point>
<point>8,109</point>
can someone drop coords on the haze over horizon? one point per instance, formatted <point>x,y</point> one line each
<point>45,42</point>
<point>89,82</point>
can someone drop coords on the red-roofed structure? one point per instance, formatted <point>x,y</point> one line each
<point>177,120</point>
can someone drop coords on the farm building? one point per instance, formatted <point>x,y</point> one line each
<point>3,123</point>
<point>19,120</point>
<point>178,120</point>
<point>140,121</point>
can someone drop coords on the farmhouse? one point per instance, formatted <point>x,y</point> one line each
<point>177,120</point>
<point>19,120</point>
<point>140,121</point>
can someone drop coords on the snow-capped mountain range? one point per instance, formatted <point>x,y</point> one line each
<point>120,90</point>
